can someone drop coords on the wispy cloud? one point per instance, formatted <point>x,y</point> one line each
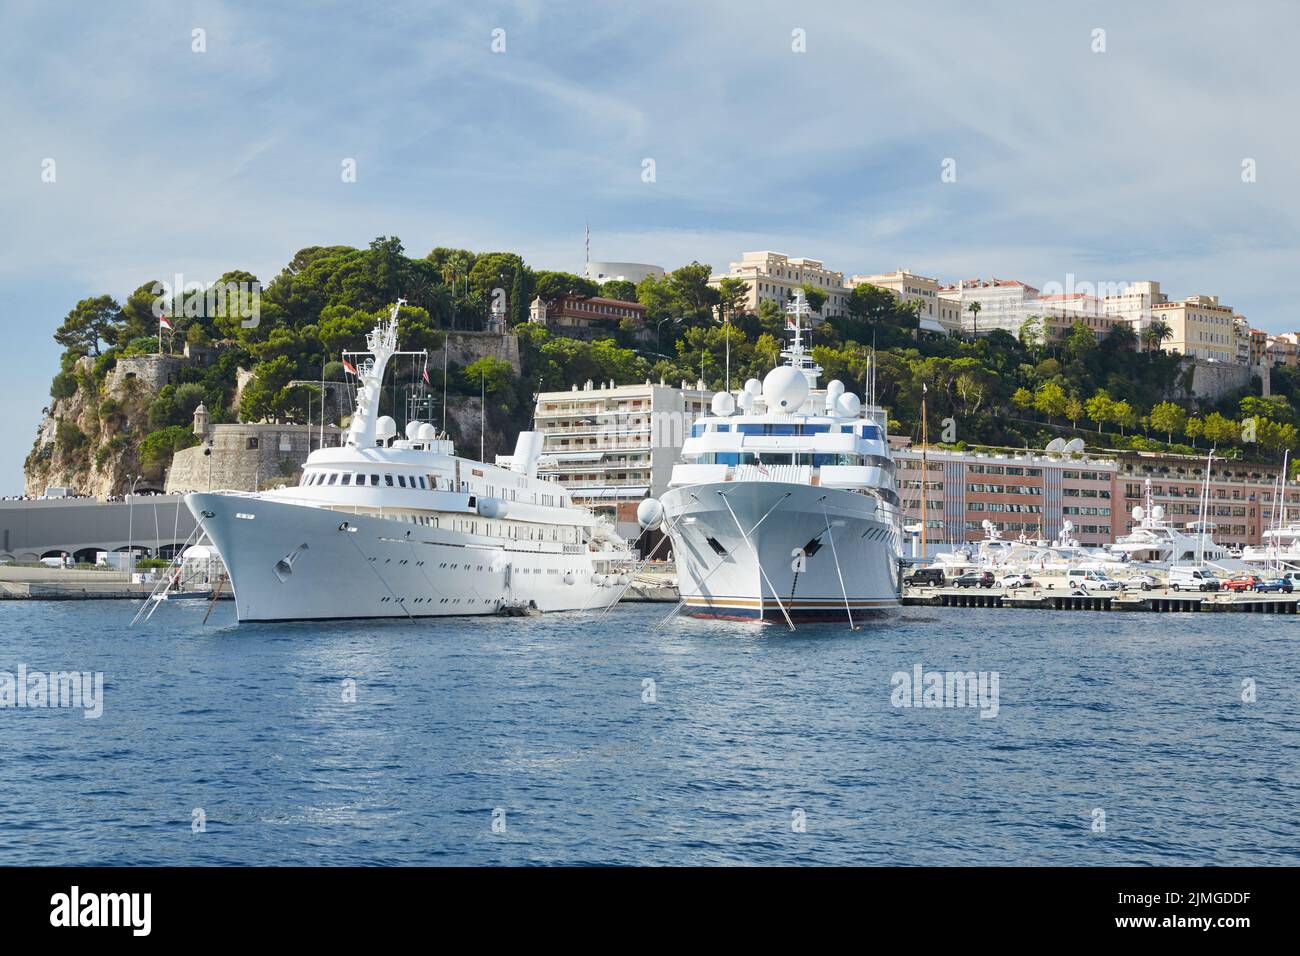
<point>1114,165</point>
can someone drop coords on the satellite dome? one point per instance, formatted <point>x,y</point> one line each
<point>427,432</point>
<point>745,400</point>
<point>754,387</point>
<point>412,430</point>
<point>785,389</point>
<point>385,427</point>
<point>650,514</point>
<point>835,388</point>
<point>848,405</point>
<point>723,404</point>
<point>1139,513</point>
<point>1158,512</point>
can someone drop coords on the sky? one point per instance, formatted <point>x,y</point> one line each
<point>818,129</point>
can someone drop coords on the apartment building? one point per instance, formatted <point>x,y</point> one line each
<point>907,286</point>
<point>1134,304</point>
<point>1281,349</point>
<point>612,445</point>
<point>1203,328</point>
<point>1020,492</point>
<point>1006,304</point>
<point>1033,494</point>
<point>1242,495</point>
<point>774,277</point>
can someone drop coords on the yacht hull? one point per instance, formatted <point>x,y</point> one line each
<point>816,554</point>
<point>297,562</point>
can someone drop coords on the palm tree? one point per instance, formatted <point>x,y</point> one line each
<point>1156,334</point>
<point>975,311</point>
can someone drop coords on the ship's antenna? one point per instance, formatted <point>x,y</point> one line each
<point>446,344</point>
<point>482,412</point>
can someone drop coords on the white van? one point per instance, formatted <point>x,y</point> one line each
<point>1192,579</point>
<point>1090,580</point>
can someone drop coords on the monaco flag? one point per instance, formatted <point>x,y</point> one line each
<point>162,320</point>
<point>349,366</point>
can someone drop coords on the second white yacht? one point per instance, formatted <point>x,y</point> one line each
<point>784,506</point>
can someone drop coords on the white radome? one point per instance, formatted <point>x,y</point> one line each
<point>785,388</point>
<point>848,405</point>
<point>427,432</point>
<point>723,404</point>
<point>650,514</point>
<point>413,430</point>
<point>754,387</point>
<point>385,427</point>
<point>745,400</point>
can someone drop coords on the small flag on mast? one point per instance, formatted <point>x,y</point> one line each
<point>162,321</point>
<point>349,367</point>
<point>425,374</point>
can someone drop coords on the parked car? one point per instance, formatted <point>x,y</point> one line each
<point>975,579</point>
<point>1090,580</point>
<point>1192,579</point>
<point>1243,582</point>
<point>926,577</point>
<point>1016,581</point>
<point>1283,585</point>
<point>1141,580</point>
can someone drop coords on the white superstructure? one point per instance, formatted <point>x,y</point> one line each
<point>784,506</point>
<point>391,527</point>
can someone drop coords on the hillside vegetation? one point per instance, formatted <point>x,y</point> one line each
<point>1000,390</point>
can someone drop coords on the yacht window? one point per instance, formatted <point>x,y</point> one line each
<point>374,479</point>
<point>333,477</point>
<point>421,479</point>
<point>401,480</point>
<point>388,480</point>
<point>347,479</point>
<point>871,431</point>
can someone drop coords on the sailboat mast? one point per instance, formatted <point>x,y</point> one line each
<point>925,438</point>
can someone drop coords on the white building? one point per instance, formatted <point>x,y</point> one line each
<point>633,272</point>
<point>611,446</point>
<point>774,277</point>
<point>907,286</point>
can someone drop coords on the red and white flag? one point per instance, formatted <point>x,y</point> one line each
<point>425,374</point>
<point>162,321</point>
<point>348,366</point>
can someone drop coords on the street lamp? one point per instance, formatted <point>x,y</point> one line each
<point>130,527</point>
<point>659,331</point>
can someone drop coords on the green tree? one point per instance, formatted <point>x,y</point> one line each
<point>815,298</point>
<point>91,322</point>
<point>1080,341</point>
<point>1023,399</point>
<point>1074,410</point>
<point>620,289</point>
<point>492,373</point>
<point>1124,415</point>
<point>1099,407</point>
<point>1168,418</point>
<point>1050,400</point>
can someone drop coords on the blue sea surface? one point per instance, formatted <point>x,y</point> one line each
<point>751,746</point>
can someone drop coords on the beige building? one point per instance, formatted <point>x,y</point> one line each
<point>1202,327</point>
<point>1134,304</point>
<point>612,445</point>
<point>1281,349</point>
<point>774,277</point>
<point>907,286</point>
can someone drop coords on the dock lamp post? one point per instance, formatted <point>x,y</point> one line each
<point>130,526</point>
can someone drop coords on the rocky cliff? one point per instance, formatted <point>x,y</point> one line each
<point>88,441</point>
